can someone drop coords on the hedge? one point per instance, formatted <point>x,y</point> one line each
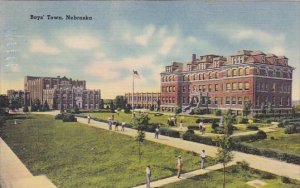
<point>66,117</point>
<point>252,127</point>
<point>260,135</point>
<point>169,132</point>
<point>207,120</point>
<point>196,138</point>
<point>193,127</point>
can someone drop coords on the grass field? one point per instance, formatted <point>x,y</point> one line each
<point>75,155</point>
<point>288,143</point>
<point>236,177</point>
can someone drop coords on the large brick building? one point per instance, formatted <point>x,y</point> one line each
<point>62,93</point>
<point>217,82</point>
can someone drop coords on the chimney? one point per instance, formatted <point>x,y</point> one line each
<point>194,57</point>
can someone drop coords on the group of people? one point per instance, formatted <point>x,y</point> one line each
<point>111,122</point>
<point>202,127</point>
<point>179,165</point>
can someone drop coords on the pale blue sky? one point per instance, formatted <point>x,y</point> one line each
<point>142,35</point>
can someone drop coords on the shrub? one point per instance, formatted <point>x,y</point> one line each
<point>261,135</point>
<point>241,120</point>
<point>69,118</point>
<point>290,129</point>
<point>243,164</point>
<point>266,175</point>
<point>207,120</point>
<point>171,123</point>
<point>25,109</point>
<point>214,125</point>
<point>218,112</point>
<point>190,131</point>
<point>59,116</point>
<point>178,110</point>
<point>252,127</point>
<point>285,179</point>
<point>272,138</point>
<point>169,132</point>
<point>218,130</point>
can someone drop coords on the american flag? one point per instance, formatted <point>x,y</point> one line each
<point>136,74</point>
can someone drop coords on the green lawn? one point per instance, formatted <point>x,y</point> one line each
<point>76,155</point>
<point>236,177</point>
<point>187,119</point>
<point>288,143</point>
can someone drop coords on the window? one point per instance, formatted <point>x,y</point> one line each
<point>241,85</point>
<point>234,86</point>
<point>288,101</point>
<point>199,87</point>
<point>246,86</point>
<point>241,72</point>
<point>183,88</point>
<point>228,73</point>
<point>209,87</point>
<point>281,101</point>
<point>189,88</point>
<point>216,100</point>
<point>200,77</point>
<point>227,100</point>
<point>210,75</point>
<point>274,87</point>
<point>235,72</point>
<point>240,101</point>
<point>203,88</point>
<point>233,100</point>
<point>247,71</point>
<point>257,101</point>
<point>216,87</point>
<point>228,87</point>
<point>183,100</point>
<point>194,87</point>
<point>174,89</point>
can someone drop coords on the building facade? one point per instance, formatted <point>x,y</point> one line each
<point>62,93</point>
<point>144,100</point>
<point>24,97</point>
<point>218,82</point>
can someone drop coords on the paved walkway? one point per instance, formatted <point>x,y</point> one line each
<point>274,166</point>
<point>14,174</point>
<point>174,179</point>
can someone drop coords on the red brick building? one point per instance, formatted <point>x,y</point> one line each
<point>218,82</point>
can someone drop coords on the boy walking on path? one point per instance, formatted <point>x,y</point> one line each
<point>89,118</point>
<point>202,159</point>
<point>156,133</point>
<point>148,176</point>
<point>123,126</point>
<point>179,166</point>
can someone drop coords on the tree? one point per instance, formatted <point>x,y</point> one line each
<point>45,106</point>
<point>178,110</point>
<point>101,105</point>
<point>36,105</point>
<point>14,103</point>
<point>247,108</point>
<point>127,108</point>
<point>4,101</point>
<point>25,109</point>
<point>120,102</point>
<point>224,154</point>
<point>270,108</point>
<point>112,106</point>
<point>228,122</point>
<point>140,122</point>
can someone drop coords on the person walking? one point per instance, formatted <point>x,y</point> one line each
<point>89,118</point>
<point>123,126</point>
<point>181,124</point>
<point>201,126</point>
<point>202,159</point>
<point>156,132</point>
<point>110,122</point>
<point>179,166</point>
<point>203,129</point>
<point>148,175</point>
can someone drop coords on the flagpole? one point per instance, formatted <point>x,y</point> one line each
<point>132,91</point>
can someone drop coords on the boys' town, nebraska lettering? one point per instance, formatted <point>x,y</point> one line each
<point>67,17</point>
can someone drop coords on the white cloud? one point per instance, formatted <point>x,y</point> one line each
<point>60,70</point>
<point>81,42</point>
<point>167,45</point>
<point>146,36</point>
<point>100,55</point>
<point>40,46</point>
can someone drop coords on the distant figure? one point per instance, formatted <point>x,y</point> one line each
<point>201,126</point>
<point>113,117</point>
<point>116,126</point>
<point>89,118</point>
<point>148,176</point>
<point>181,124</point>
<point>110,124</point>
<point>202,159</point>
<point>123,126</point>
<point>156,132</point>
<point>203,129</point>
<point>179,166</point>
<point>15,122</point>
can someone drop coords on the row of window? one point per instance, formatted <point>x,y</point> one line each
<point>218,100</point>
<point>273,73</point>
<point>283,101</point>
<point>283,87</point>
<point>144,98</point>
<point>212,87</point>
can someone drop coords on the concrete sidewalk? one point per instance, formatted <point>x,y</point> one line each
<point>14,174</point>
<point>274,166</point>
<point>174,179</point>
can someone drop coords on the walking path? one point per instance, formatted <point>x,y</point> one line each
<point>174,179</point>
<point>14,174</point>
<point>274,166</point>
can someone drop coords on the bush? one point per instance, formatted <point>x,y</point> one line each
<point>190,131</point>
<point>285,179</point>
<point>218,112</point>
<point>169,132</point>
<point>261,135</point>
<point>290,129</point>
<point>69,118</point>
<point>266,175</point>
<point>243,164</point>
<point>252,127</point>
<point>214,125</point>
<point>59,116</point>
<point>189,135</point>
<point>207,120</point>
<point>241,120</point>
<point>218,130</point>
<point>25,109</point>
<point>178,110</point>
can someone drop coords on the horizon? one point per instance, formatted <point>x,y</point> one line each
<point>144,36</point>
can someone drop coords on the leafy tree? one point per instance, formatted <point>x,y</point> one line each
<point>178,110</point>
<point>127,108</point>
<point>112,106</point>
<point>228,122</point>
<point>25,109</point>
<point>76,109</point>
<point>36,105</point>
<point>270,108</point>
<point>120,102</point>
<point>224,154</point>
<point>4,101</point>
<point>140,122</point>
<point>101,106</point>
<point>14,103</point>
<point>247,108</point>
<point>152,108</point>
<point>45,106</point>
